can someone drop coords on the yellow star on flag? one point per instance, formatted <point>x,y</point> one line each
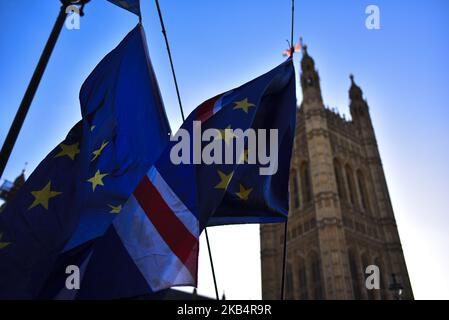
<point>3,244</point>
<point>243,194</point>
<point>224,180</point>
<point>41,197</point>
<point>92,127</point>
<point>226,134</point>
<point>70,150</point>
<point>97,179</point>
<point>244,105</point>
<point>97,152</point>
<point>115,209</point>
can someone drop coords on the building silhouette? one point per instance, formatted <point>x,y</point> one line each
<point>9,189</point>
<point>341,219</point>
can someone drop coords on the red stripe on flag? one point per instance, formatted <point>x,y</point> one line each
<point>175,234</point>
<point>206,109</point>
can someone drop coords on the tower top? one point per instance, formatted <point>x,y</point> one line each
<point>310,80</point>
<point>355,93</point>
<point>307,62</point>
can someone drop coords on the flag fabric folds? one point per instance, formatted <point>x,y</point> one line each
<point>130,5</point>
<point>252,197</point>
<point>153,243</point>
<point>38,222</point>
<point>122,104</point>
<point>75,193</point>
<point>237,192</point>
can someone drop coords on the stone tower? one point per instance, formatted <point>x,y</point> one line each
<point>341,219</point>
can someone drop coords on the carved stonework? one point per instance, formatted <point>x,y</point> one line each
<point>341,218</point>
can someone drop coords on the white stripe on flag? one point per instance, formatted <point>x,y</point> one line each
<point>173,202</point>
<point>160,267</point>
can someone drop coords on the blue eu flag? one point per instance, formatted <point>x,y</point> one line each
<point>80,187</point>
<point>252,197</point>
<point>135,257</point>
<point>245,189</point>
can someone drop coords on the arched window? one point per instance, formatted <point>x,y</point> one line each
<point>305,183</point>
<point>365,263</point>
<point>302,276</point>
<point>317,286</point>
<point>294,189</point>
<point>362,190</point>
<point>339,180</point>
<point>289,288</point>
<point>350,182</point>
<point>354,275</point>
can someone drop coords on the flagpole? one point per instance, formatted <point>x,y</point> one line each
<point>27,99</point>
<point>183,119</point>
<point>293,23</point>
<point>286,221</point>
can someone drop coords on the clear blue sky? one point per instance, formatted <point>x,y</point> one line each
<point>403,69</point>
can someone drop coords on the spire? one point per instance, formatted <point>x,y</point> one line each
<point>358,106</point>
<point>355,93</point>
<point>310,80</point>
<point>307,62</point>
<point>20,180</point>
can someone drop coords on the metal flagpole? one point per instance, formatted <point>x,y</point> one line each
<point>14,130</point>
<point>183,119</point>
<point>292,49</point>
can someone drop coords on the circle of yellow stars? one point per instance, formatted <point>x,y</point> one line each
<point>43,196</point>
<point>227,135</point>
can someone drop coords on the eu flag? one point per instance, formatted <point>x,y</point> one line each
<point>252,197</point>
<point>248,189</point>
<point>153,243</point>
<point>80,187</point>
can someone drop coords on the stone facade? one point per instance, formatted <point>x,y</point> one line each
<point>341,219</point>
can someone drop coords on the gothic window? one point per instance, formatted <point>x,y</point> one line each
<point>350,182</point>
<point>294,189</point>
<point>305,183</point>
<point>365,263</point>
<point>363,191</point>
<point>302,274</point>
<point>317,286</point>
<point>354,276</point>
<point>339,178</point>
<point>289,283</point>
